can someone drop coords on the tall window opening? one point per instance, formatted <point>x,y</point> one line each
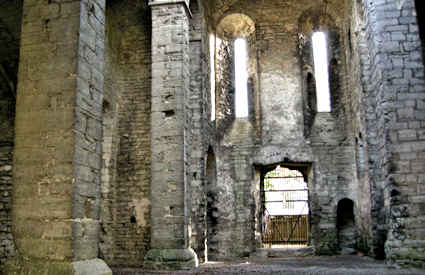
<point>320,55</point>
<point>285,208</point>
<point>212,75</point>
<point>241,78</point>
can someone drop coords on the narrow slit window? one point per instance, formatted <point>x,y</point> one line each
<point>212,75</point>
<point>320,54</point>
<point>241,78</point>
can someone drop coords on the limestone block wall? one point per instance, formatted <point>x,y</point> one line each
<point>58,131</point>
<point>196,136</point>
<point>396,81</point>
<point>48,173</point>
<point>169,165</point>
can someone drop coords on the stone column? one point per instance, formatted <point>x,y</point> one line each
<point>170,83</point>
<point>57,155</point>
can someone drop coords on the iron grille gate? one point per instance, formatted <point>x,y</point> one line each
<point>285,208</point>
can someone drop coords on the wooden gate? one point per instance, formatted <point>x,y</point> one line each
<point>285,208</point>
<point>286,230</point>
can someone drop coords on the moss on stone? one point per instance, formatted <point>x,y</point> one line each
<point>21,266</point>
<point>328,244</point>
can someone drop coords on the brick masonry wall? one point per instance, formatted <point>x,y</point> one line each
<point>7,114</point>
<point>10,26</point>
<point>126,185</point>
<point>110,142</point>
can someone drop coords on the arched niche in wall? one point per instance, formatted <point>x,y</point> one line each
<point>230,28</point>
<point>310,22</point>
<point>211,213</point>
<point>345,225</point>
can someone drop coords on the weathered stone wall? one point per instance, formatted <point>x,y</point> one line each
<point>196,136</point>
<point>170,211</point>
<point>10,26</point>
<point>329,147</point>
<point>126,168</point>
<point>58,133</point>
<point>394,119</point>
<point>357,59</point>
<point>206,175</point>
<point>420,16</point>
<point>49,122</point>
<point>87,123</point>
<point>225,91</point>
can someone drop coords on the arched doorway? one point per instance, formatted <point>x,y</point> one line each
<point>285,208</point>
<point>346,226</point>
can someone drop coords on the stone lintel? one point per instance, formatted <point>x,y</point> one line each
<point>171,259</point>
<point>153,3</point>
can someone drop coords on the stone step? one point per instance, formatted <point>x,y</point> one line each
<point>283,252</point>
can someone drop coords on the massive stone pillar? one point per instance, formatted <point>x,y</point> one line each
<point>169,188</point>
<point>395,117</point>
<point>57,155</point>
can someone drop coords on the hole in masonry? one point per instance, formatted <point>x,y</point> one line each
<point>169,113</point>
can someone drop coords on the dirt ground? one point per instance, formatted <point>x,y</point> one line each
<point>335,265</point>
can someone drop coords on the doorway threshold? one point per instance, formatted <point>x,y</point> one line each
<point>287,252</point>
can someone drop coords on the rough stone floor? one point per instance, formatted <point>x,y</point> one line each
<point>336,265</point>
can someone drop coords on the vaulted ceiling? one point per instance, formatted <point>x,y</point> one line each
<point>272,10</point>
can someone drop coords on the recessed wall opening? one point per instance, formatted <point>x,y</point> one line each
<point>211,208</point>
<point>346,226</point>
<point>241,78</point>
<point>285,208</point>
<point>212,75</point>
<point>420,16</point>
<point>235,70</point>
<point>320,54</point>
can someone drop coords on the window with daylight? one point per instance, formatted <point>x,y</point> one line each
<point>241,78</point>
<point>320,55</point>
<point>212,75</point>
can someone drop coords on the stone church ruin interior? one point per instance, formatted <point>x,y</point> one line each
<point>163,134</point>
